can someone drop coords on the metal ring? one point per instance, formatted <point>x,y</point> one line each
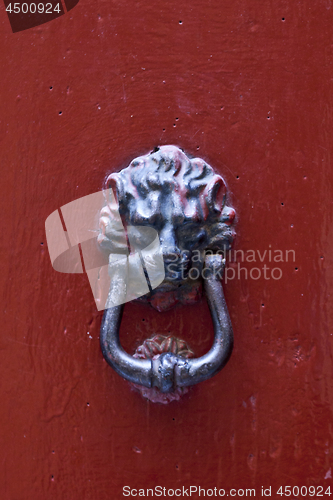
<point>169,371</point>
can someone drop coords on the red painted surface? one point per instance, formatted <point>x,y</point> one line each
<point>246,86</point>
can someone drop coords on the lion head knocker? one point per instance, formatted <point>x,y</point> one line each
<point>184,200</point>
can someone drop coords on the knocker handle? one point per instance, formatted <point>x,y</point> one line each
<point>169,370</point>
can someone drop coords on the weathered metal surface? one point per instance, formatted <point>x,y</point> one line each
<point>253,92</point>
<point>170,371</point>
<point>154,347</point>
<point>184,201</point>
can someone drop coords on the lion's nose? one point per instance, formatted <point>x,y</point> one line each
<point>168,240</point>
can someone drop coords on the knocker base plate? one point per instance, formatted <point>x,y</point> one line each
<point>151,349</point>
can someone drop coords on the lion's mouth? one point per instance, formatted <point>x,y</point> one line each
<point>171,293</point>
<point>176,277</point>
<point>179,273</point>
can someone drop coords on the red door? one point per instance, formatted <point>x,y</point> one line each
<point>247,87</point>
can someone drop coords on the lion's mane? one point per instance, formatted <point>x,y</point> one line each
<point>168,184</point>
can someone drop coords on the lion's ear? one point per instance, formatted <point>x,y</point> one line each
<point>215,194</point>
<point>111,183</point>
<point>111,196</point>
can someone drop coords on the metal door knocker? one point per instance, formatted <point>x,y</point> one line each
<point>184,201</point>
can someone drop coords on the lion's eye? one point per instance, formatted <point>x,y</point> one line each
<point>141,236</point>
<point>202,238</point>
<point>191,236</point>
